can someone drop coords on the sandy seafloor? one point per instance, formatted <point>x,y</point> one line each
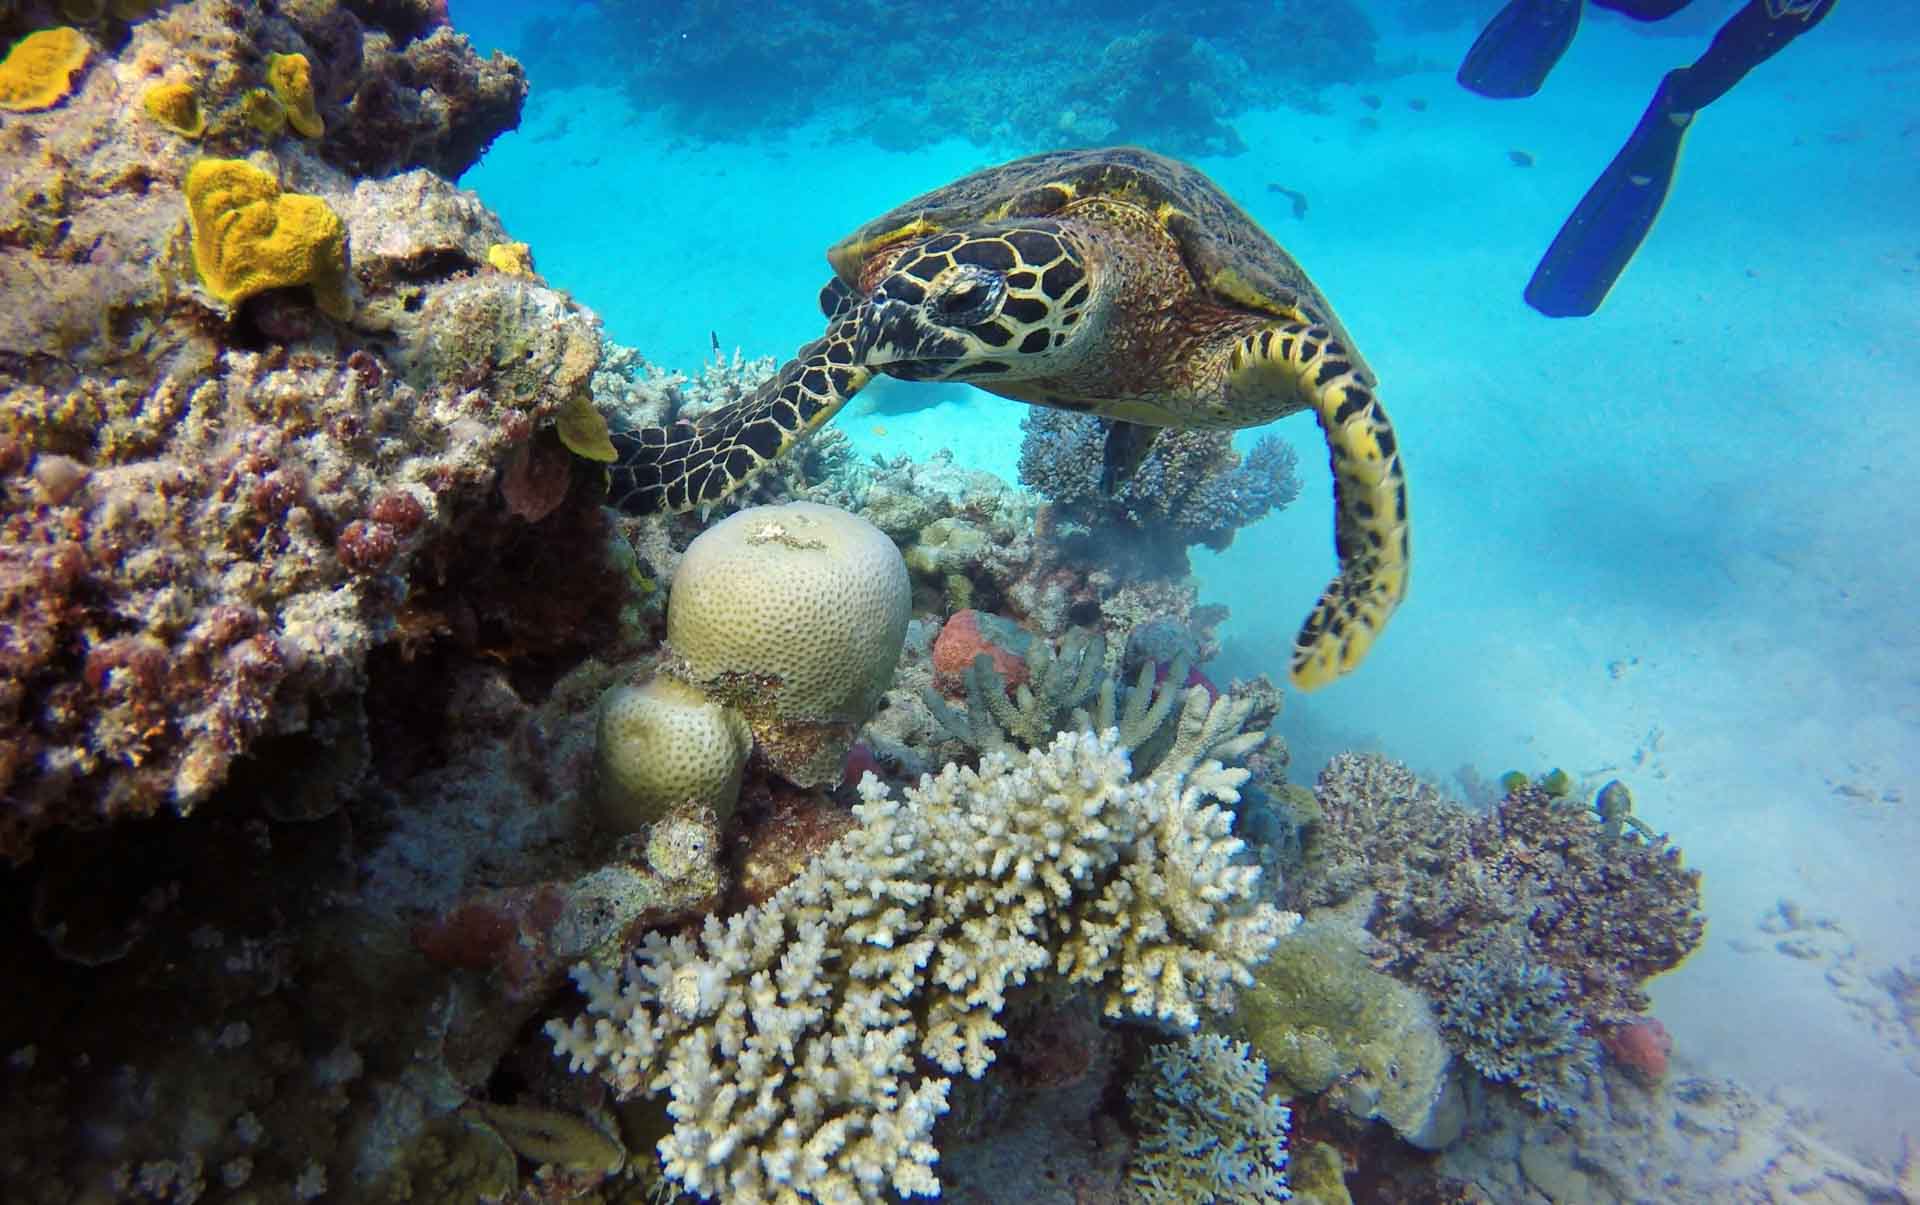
<point>1677,542</point>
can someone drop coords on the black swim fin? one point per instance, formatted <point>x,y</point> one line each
<point>1513,54</point>
<point>1612,220</point>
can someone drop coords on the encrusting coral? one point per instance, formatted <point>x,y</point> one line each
<point>788,1037</point>
<point>1209,1131</point>
<point>38,72</point>
<point>1326,1021</point>
<point>249,236</point>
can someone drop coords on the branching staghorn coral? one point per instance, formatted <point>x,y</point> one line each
<point>1059,688</point>
<point>1208,1129</point>
<point>789,1037</point>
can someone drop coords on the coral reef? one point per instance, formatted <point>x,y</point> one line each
<point>1533,925</point>
<point>207,513</point>
<point>794,616</point>
<point>1174,79</point>
<point>1208,1129</point>
<point>787,1037</point>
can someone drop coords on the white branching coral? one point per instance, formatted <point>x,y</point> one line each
<point>789,1038</point>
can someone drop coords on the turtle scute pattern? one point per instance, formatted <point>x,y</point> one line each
<point>698,463</point>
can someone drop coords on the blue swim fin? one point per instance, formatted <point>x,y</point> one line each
<point>1513,54</point>
<point>1612,220</point>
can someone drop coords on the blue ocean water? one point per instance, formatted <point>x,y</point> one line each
<point>1674,541</point>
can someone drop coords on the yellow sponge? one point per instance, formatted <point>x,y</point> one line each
<point>291,79</point>
<point>38,72</point>
<point>249,236</point>
<point>663,745</point>
<point>175,106</point>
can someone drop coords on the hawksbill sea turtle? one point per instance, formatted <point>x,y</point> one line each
<point>1109,281</point>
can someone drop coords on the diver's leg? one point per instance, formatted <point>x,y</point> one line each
<point>1513,54</point>
<point>1612,220</point>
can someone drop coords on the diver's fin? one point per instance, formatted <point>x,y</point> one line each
<point>1127,445</point>
<point>1513,54</point>
<point>1611,221</point>
<point>1308,361</point>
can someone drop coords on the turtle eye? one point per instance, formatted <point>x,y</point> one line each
<point>972,296</point>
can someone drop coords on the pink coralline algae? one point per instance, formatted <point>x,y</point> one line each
<point>1641,1046</point>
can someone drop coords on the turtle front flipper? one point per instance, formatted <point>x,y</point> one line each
<point>699,462</point>
<point>1369,490</point>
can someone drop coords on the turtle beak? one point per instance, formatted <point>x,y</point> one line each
<point>888,334</point>
<point>896,338</point>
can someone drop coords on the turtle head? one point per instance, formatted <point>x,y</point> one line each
<point>994,303</point>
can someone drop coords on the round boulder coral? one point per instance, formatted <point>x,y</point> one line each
<point>795,615</point>
<point>664,744</point>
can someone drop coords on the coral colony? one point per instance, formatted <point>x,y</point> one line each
<point>387,819</point>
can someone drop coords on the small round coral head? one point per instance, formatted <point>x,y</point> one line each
<point>662,745</point>
<point>38,73</point>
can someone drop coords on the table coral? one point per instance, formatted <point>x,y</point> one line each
<point>249,236</point>
<point>788,1037</point>
<point>38,72</point>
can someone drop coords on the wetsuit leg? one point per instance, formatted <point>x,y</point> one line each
<point>1612,220</point>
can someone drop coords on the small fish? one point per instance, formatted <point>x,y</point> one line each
<point>1370,100</point>
<point>1418,104</point>
<point>1521,158</point>
<point>1299,199</point>
<point>715,336</point>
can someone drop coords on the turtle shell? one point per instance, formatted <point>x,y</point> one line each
<point>1229,256</point>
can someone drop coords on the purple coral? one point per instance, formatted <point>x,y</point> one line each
<point>1193,487</point>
